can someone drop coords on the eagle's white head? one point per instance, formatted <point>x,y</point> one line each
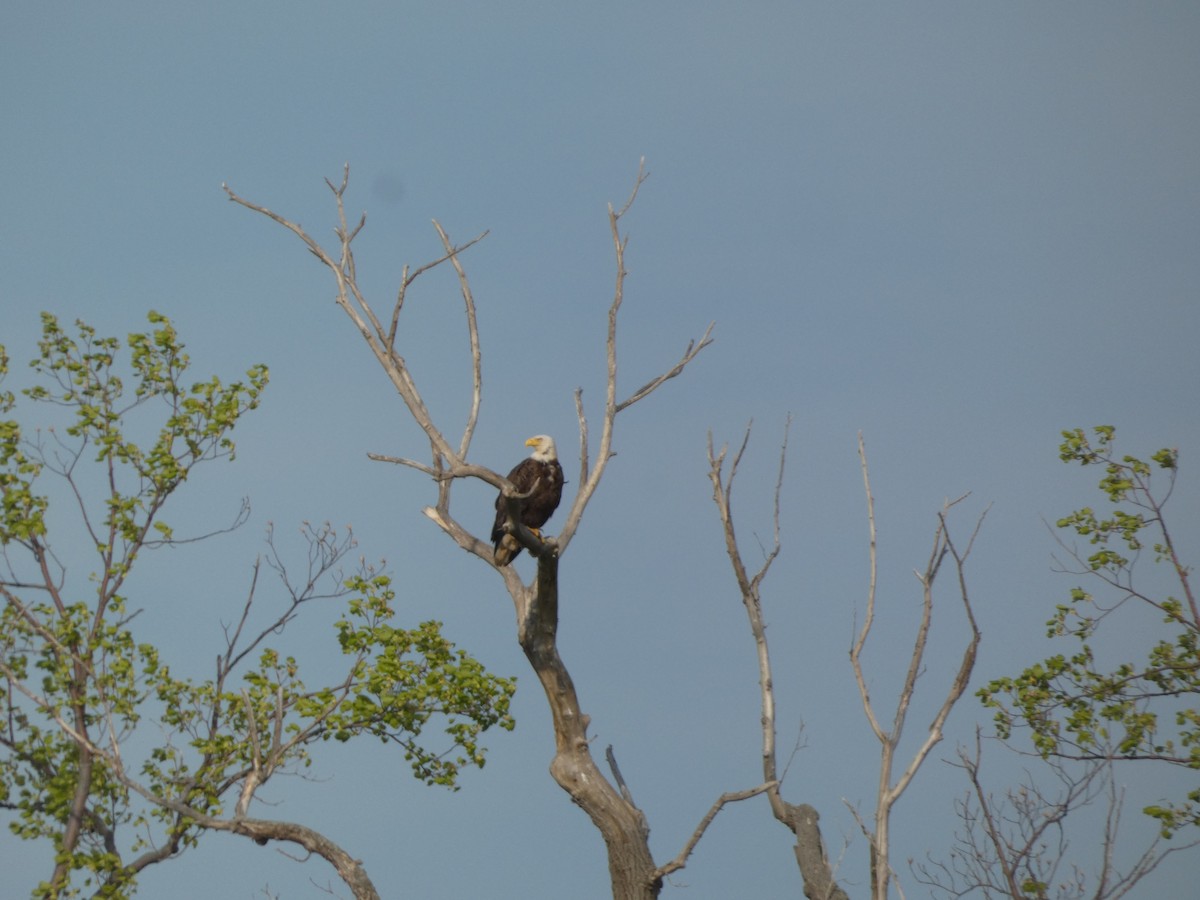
<point>543,448</point>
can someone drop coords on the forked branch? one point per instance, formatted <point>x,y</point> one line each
<point>801,819</point>
<point>1017,843</point>
<point>350,298</point>
<point>589,473</point>
<point>890,790</point>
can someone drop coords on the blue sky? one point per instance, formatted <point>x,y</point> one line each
<point>958,228</point>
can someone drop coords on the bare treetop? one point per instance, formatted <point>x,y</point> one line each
<point>448,461</point>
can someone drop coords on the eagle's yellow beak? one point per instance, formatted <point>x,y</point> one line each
<point>532,442</point>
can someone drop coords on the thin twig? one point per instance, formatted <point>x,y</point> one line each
<point>732,797</point>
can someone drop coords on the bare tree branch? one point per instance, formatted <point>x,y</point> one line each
<point>730,797</point>
<point>889,792</point>
<point>349,869</point>
<point>449,463</point>
<point>590,474</point>
<point>352,302</point>
<point>692,350</point>
<point>802,820</point>
<point>473,332</point>
<point>407,279</point>
<point>1017,844</point>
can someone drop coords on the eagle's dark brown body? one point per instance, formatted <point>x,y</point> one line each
<point>541,474</point>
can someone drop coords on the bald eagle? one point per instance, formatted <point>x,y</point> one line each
<point>542,474</point>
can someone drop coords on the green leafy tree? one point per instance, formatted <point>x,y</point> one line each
<point>77,683</point>
<point>1144,708</point>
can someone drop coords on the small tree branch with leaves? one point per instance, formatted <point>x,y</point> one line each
<point>1073,706</point>
<point>78,683</point>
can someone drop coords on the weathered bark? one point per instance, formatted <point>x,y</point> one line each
<point>630,864</point>
<point>810,853</point>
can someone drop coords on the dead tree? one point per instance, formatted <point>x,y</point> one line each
<point>816,869</point>
<point>610,807</point>
<point>890,788</point>
<point>802,819</point>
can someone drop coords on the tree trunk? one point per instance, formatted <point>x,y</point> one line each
<point>817,874</point>
<point>630,865</point>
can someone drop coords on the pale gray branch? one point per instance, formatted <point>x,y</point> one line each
<point>590,474</point>
<point>731,797</point>
<point>407,279</point>
<point>801,819</point>
<point>473,335</point>
<point>889,792</point>
<point>354,304</point>
<point>693,349</point>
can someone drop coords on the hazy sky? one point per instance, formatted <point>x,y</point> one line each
<point>958,228</point>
